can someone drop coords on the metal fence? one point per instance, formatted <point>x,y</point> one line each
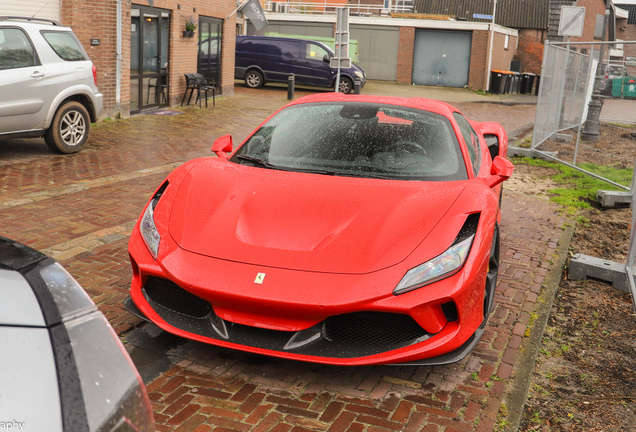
<point>571,77</point>
<point>569,129</point>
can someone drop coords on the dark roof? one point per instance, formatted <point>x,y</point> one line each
<point>555,17</point>
<point>510,13</point>
<point>629,8</point>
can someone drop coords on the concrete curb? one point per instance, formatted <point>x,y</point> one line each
<point>524,366</point>
<point>521,132</point>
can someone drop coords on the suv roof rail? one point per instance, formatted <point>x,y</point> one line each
<point>16,18</point>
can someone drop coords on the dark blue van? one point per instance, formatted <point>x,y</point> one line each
<point>262,59</point>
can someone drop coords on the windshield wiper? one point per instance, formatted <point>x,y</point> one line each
<point>313,171</point>
<point>257,161</point>
<point>367,174</point>
<point>271,166</point>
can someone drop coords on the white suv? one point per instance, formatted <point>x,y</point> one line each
<point>48,85</point>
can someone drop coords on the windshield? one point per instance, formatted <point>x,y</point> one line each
<point>357,139</point>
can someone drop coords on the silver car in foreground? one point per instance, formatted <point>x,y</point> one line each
<point>48,85</point>
<point>62,367</point>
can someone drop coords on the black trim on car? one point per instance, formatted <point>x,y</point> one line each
<point>318,341</point>
<point>74,416</point>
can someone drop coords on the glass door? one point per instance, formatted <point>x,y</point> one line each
<point>209,61</point>
<point>149,41</point>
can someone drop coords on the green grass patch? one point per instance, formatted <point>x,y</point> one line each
<point>578,187</point>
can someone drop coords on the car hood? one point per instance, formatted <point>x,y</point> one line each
<point>304,221</point>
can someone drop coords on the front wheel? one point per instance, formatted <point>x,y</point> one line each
<point>346,85</point>
<point>254,79</point>
<point>69,129</point>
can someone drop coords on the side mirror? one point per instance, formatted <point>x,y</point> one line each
<point>501,170</point>
<point>325,58</point>
<point>222,146</point>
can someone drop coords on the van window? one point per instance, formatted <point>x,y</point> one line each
<point>315,52</point>
<point>254,46</point>
<point>286,49</point>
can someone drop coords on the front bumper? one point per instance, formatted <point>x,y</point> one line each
<point>437,324</point>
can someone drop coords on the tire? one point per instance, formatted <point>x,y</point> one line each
<point>254,79</point>
<point>491,276</point>
<point>69,129</point>
<point>346,85</point>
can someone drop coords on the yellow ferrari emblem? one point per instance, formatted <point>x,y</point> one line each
<point>259,278</point>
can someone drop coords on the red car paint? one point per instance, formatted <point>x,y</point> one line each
<point>328,245</point>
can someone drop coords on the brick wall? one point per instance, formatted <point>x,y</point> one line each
<point>592,8</point>
<point>102,26</point>
<point>501,56</point>
<point>478,60</point>
<point>97,20</point>
<point>530,50</point>
<point>405,55</point>
<point>629,34</point>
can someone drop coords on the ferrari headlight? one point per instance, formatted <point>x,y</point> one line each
<point>147,227</point>
<point>360,74</point>
<point>149,230</point>
<point>440,267</point>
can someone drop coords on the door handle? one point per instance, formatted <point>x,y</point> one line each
<point>37,74</point>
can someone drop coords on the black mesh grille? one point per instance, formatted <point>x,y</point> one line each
<point>372,328</point>
<point>173,297</point>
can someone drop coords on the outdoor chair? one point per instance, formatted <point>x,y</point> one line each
<point>161,88</point>
<point>198,82</point>
<point>190,85</point>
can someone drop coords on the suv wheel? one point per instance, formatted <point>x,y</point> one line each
<point>346,86</point>
<point>69,129</point>
<point>254,79</point>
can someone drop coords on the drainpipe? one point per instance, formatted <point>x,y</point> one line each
<point>118,57</point>
<point>492,39</point>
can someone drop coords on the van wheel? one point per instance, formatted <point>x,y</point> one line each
<point>69,129</point>
<point>346,85</point>
<point>254,79</point>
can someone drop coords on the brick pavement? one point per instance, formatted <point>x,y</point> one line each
<point>81,209</point>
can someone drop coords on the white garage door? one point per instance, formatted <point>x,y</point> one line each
<point>48,9</point>
<point>377,50</point>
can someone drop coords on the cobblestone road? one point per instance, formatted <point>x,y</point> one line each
<point>81,208</point>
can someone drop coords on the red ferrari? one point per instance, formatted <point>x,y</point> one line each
<point>346,229</point>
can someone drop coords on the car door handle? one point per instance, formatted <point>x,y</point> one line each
<point>37,74</point>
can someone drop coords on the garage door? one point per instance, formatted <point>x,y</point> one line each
<point>377,50</point>
<point>441,58</point>
<point>48,9</point>
<point>292,28</point>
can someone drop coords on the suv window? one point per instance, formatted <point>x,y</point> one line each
<point>315,52</point>
<point>471,139</point>
<point>16,50</point>
<point>65,45</point>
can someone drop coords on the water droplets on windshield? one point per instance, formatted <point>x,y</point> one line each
<point>358,139</point>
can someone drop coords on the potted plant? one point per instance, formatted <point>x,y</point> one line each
<point>190,27</point>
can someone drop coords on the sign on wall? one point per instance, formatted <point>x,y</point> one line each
<point>572,20</point>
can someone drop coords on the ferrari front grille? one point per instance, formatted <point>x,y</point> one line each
<point>173,297</point>
<point>372,328</point>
